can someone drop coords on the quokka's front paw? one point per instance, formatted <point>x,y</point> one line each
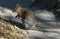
<point>19,18</point>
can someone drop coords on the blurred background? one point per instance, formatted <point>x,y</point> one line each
<point>50,5</point>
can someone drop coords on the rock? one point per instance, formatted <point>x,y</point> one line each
<point>31,34</point>
<point>46,20</point>
<point>9,16</point>
<point>45,15</point>
<point>5,12</point>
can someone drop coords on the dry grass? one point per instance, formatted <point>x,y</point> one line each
<point>9,31</point>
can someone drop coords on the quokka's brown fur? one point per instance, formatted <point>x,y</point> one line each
<point>25,13</point>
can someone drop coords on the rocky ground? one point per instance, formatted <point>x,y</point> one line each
<point>48,26</point>
<point>9,31</point>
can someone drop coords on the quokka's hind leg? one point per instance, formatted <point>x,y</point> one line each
<point>30,24</point>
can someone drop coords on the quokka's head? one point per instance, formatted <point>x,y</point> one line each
<point>18,8</point>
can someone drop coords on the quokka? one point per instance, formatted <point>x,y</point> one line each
<point>28,19</point>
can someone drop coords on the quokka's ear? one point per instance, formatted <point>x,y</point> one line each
<point>18,5</point>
